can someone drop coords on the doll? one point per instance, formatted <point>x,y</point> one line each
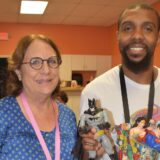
<point>153,138</point>
<point>138,130</point>
<point>144,140</point>
<point>120,135</point>
<point>152,125</point>
<point>137,142</point>
<point>96,117</point>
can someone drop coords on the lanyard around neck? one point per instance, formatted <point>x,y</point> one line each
<point>38,132</point>
<point>125,97</point>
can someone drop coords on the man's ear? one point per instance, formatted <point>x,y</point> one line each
<point>18,73</point>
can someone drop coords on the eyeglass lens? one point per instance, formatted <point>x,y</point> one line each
<point>37,62</point>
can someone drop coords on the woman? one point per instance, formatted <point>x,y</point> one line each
<point>32,125</point>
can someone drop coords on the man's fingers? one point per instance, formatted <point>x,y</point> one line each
<point>88,135</point>
<point>100,151</point>
<point>89,144</point>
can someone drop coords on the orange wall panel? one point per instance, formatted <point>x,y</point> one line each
<point>70,39</point>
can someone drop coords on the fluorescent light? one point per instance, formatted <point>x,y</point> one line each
<point>33,7</point>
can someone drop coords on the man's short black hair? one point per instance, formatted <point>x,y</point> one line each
<point>140,6</point>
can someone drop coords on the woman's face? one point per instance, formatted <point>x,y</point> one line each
<point>38,81</point>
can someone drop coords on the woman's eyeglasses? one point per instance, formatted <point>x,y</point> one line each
<point>37,62</point>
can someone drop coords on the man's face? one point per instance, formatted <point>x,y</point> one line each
<point>137,36</point>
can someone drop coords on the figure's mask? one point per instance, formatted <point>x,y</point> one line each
<point>92,103</point>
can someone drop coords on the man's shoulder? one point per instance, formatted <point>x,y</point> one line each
<point>106,77</point>
<point>157,81</point>
<point>157,68</point>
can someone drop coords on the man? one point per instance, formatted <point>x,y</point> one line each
<point>139,85</point>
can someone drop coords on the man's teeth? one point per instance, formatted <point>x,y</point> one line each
<point>136,49</point>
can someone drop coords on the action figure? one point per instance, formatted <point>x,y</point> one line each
<point>153,138</point>
<point>152,125</point>
<point>137,136</point>
<point>120,135</point>
<point>96,117</point>
<point>138,130</point>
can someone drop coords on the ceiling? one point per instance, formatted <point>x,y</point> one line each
<point>69,12</point>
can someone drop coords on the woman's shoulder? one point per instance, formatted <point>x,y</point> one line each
<point>65,113</point>
<point>7,103</point>
<point>7,100</point>
<point>8,110</point>
<point>67,120</point>
<point>64,108</point>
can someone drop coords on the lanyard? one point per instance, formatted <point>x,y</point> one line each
<point>125,97</point>
<point>38,132</point>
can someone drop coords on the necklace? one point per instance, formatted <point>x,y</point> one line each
<point>125,97</point>
<point>38,132</point>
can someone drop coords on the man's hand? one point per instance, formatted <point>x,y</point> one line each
<point>90,143</point>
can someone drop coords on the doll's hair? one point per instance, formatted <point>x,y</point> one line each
<point>158,124</point>
<point>138,120</point>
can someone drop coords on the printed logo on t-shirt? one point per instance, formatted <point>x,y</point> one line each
<point>143,113</point>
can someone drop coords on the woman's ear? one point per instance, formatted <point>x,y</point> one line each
<point>158,38</point>
<point>18,73</point>
<point>117,35</point>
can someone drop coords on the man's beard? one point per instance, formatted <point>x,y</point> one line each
<point>140,66</point>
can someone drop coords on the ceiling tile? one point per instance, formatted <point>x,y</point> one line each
<point>9,18</point>
<point>24,18</point>
<point>126,3</point>
<point>66,1</point>
<point>86,10</point>
<point>95,2</point>
<point>9,6</point>
<point>73,20</point>
<point>80,12</point>
<point>60,9</point>
<point>108,10</point>
<point>49,19</point>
